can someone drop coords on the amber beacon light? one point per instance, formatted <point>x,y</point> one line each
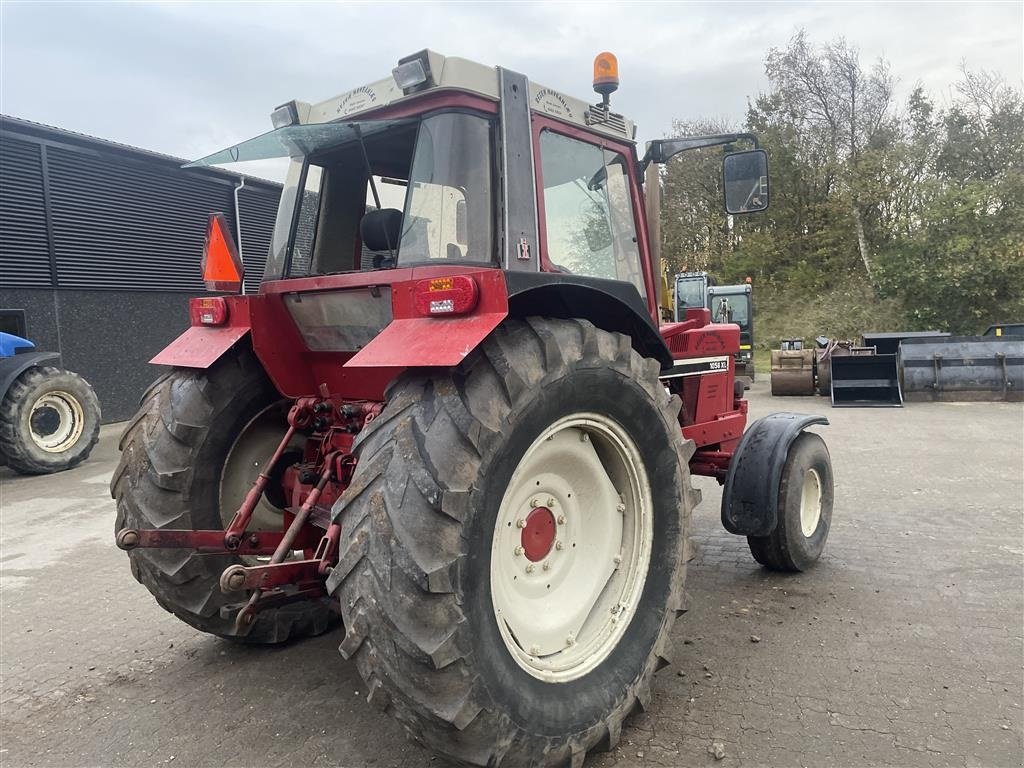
<point>606,75</point>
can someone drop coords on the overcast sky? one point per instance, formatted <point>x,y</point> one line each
<point>188,79</point>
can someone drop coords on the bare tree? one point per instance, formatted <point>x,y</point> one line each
<point>840,108</point>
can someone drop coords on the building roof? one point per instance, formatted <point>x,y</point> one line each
<point>51,133</point>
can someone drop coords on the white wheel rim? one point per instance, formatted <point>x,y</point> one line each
<point>810,503</point>
<point>56,421</point>
<point>562,613</point>
<point>249,453</point>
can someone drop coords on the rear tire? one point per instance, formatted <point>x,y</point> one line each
<point>805,509</point>
<point>49,421</point>
<point>172,456</point>
<point>419,540</point>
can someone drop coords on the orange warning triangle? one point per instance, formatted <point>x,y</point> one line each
<point>222,266</point>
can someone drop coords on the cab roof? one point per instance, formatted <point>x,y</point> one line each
<point>450,73</point>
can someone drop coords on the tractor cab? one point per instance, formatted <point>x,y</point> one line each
<point>448,162</point>
<point>735,304</point>
<point>421,169</point>
<point>691,292</point>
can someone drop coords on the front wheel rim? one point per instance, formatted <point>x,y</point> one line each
<point>810,503</point>
<point>571,547</point>
<point>56,422</point>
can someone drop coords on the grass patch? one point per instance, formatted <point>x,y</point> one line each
<point>841,313</point>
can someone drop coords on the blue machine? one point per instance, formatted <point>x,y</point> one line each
<point>49,417</point>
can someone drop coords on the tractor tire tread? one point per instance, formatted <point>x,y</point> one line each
<point>152,485</point>
<point>404,623</point>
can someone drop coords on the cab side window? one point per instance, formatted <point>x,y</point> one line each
<point>588,210</point>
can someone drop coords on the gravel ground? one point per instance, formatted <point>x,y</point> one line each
<point>902,647</point>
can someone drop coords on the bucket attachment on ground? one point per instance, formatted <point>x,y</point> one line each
<point>865,380</point>
<point>827,349</point>
<point>964,368</point>
<point>889,343</point>
<point>792,369</point>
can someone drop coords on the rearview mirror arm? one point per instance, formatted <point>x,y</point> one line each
<point>662,150</point>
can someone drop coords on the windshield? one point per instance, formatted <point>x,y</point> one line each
<point>690,294</point>
<point>407,192</point>
<point>731,309</point>
<point>448,204</point>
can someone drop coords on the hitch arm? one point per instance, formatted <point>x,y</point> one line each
<point>247,615</point>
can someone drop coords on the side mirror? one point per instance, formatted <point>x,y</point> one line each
<point>745,178</point>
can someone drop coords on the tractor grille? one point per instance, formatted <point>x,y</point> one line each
<point>340,321</point>
<point>679,344</point>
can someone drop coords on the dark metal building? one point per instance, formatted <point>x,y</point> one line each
<point>100,248</point>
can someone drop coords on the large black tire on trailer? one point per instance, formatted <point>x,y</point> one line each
<point>426,534</point>
<point>49,421</point>
<point>173,455</point>
<point>806,495</point>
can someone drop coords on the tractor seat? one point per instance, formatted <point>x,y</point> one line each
<point>380,231</point>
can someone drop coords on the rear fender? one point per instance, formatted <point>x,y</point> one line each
<point>750,498</point>
<point>611,305</point>
<point>200,346</point>
<point>414,341</point>
<point>12,367</point>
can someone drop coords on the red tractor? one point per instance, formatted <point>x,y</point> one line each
<point>450,419</point>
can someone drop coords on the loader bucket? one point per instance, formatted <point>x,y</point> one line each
<point>889,343</point>
<point>792,371</point>
<point>964,368</point>
<point>866,380</point>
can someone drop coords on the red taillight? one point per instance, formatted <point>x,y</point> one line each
<point>208,311</point>
<point>455,295</point>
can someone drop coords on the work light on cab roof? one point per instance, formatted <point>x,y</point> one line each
<point>606,75</point>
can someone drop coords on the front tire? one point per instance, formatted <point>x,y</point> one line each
<point>805,509</point>
<point>49,421</point>
<point>425,526</point>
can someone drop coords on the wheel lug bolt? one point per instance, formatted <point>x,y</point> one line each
<point>547,566</point>
<point>551,502</point>
<point>518,551</point>
<point>534,502</point>
<point>530,568</point>
<point>561,519</point>
<point>520,523</point>
<point>621,508</point>
<point>559,545</point>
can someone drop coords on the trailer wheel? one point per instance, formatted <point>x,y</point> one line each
<point>187,458</point>
<point>49,421</point>
<point>512,556</point>
<point>805,509</point>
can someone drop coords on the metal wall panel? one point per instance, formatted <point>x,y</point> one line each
<point>82,213</point>
<point>123,226</point>
<point>24,249</point>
